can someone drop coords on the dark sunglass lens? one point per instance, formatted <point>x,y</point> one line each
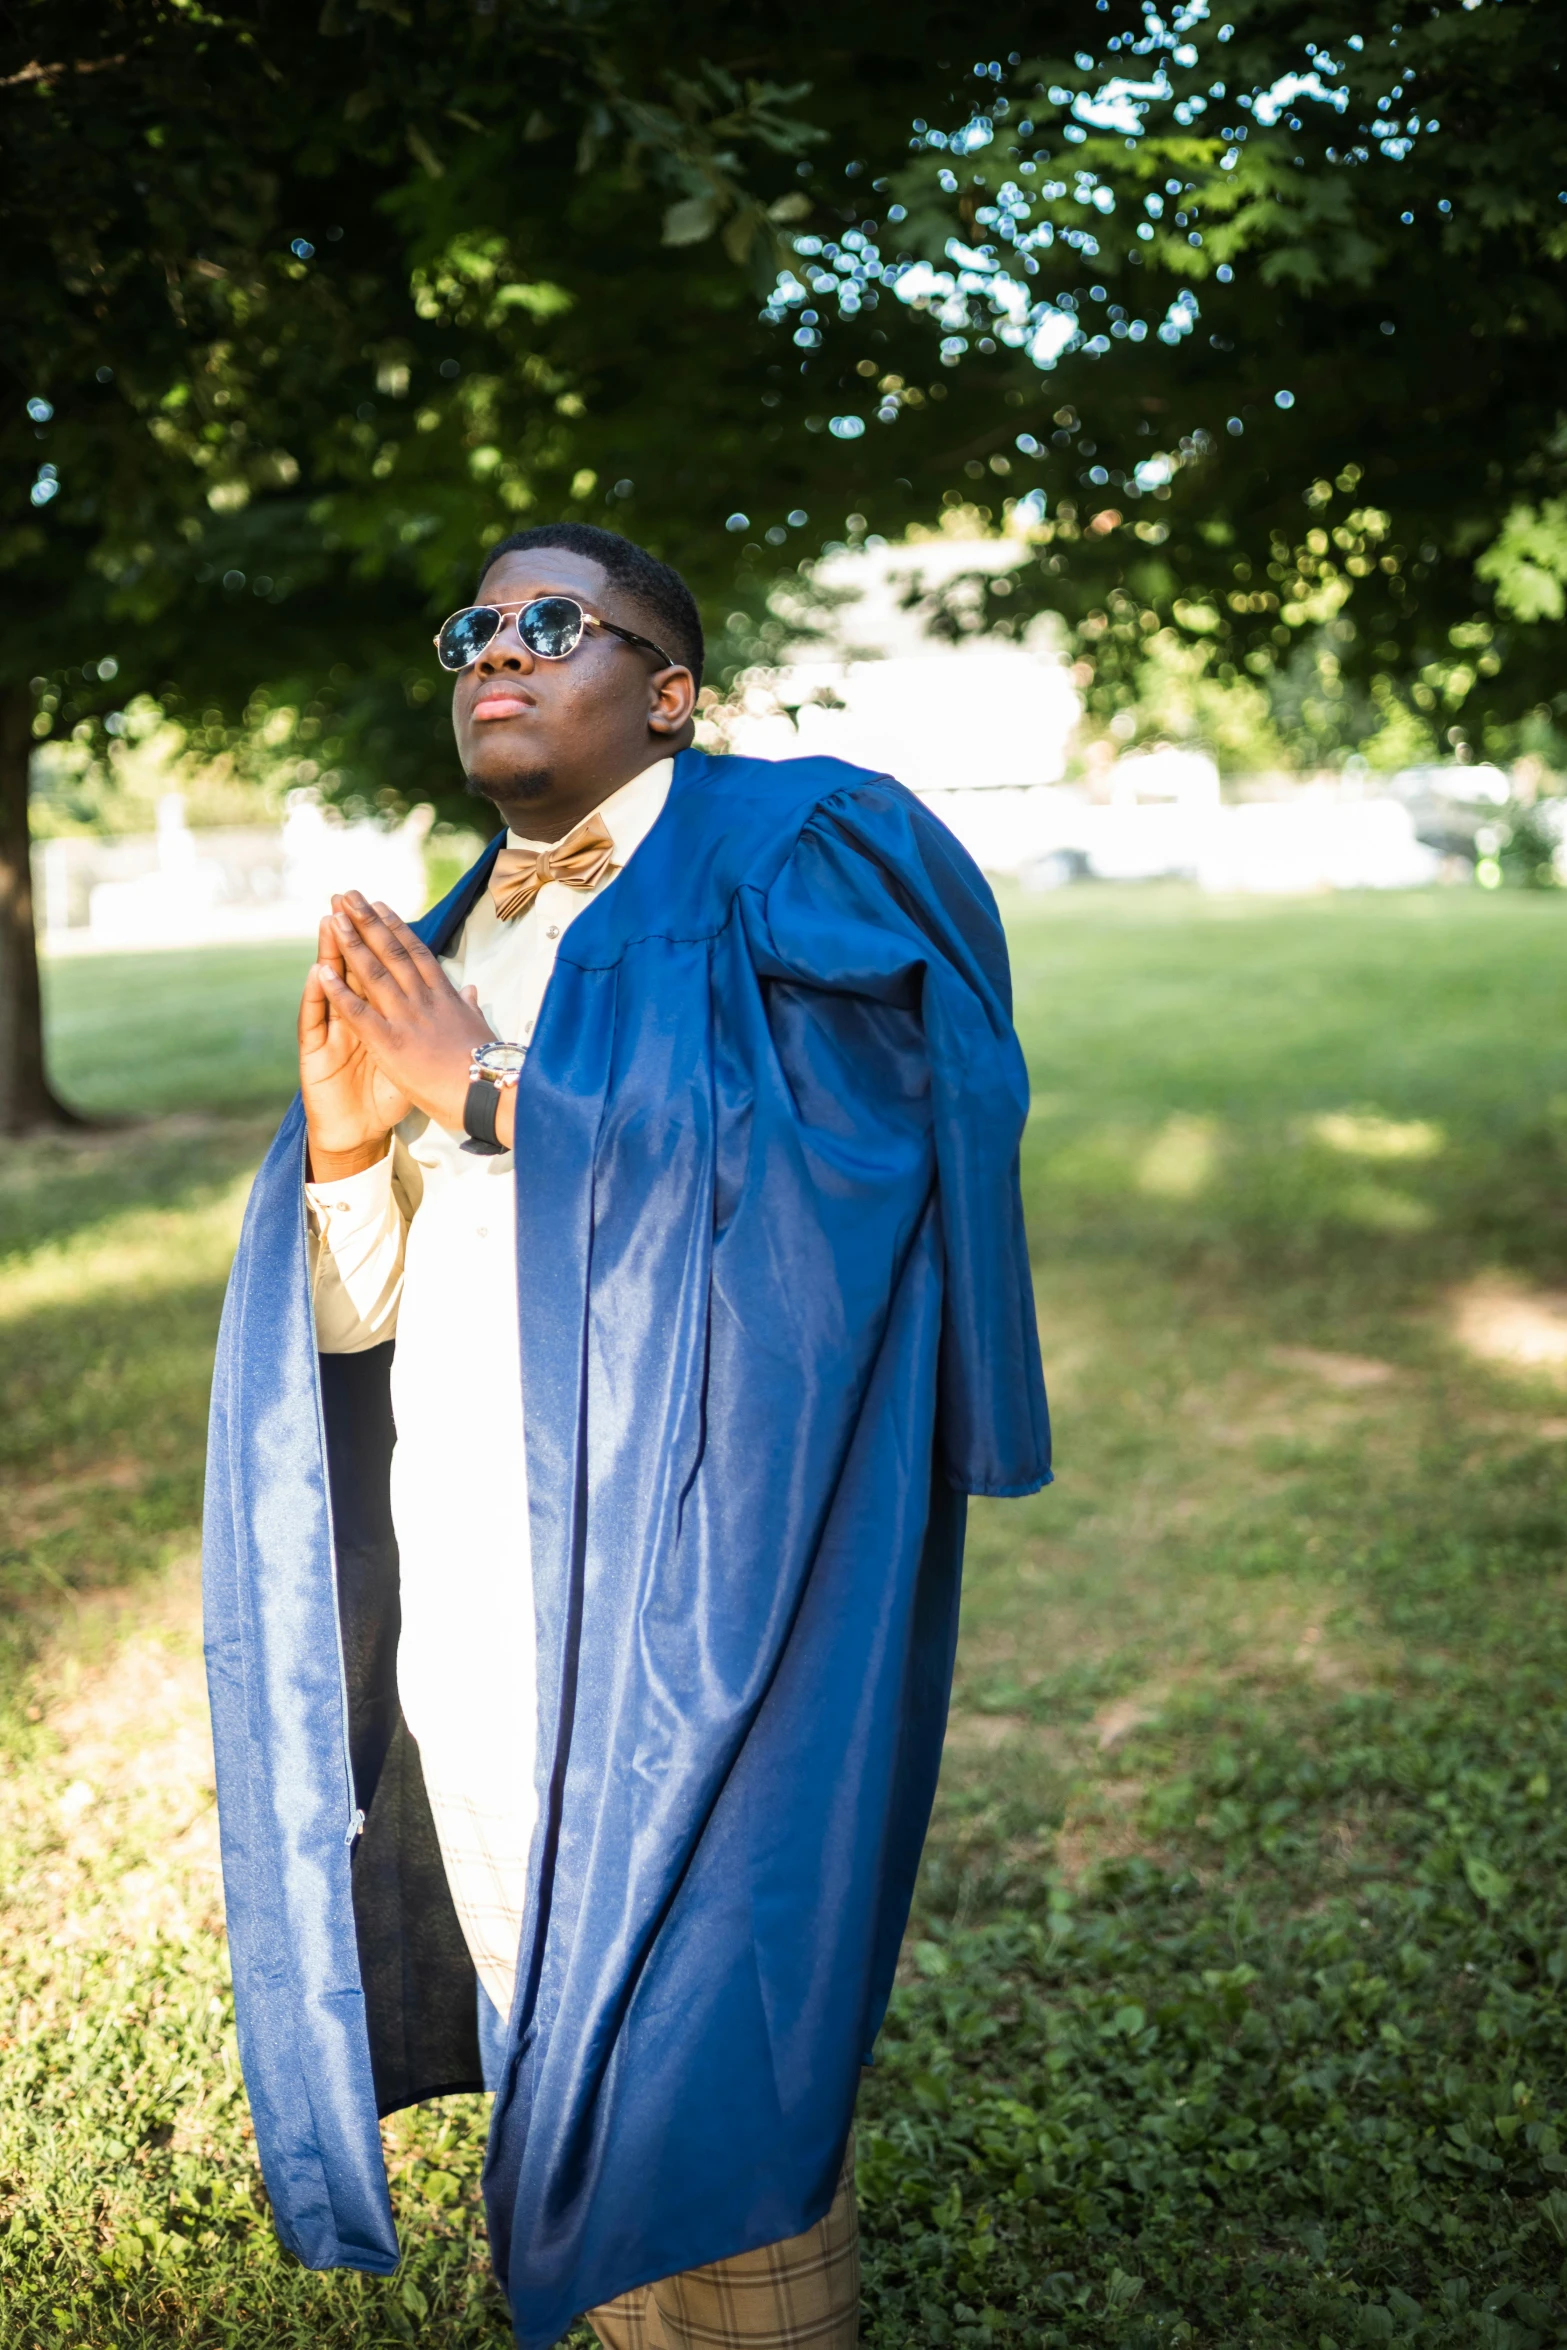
<point>552,627</point>
<point>465,636</point>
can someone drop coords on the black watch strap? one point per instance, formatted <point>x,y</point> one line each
<point>478,1116</point>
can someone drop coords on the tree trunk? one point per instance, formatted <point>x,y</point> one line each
<point>26,1102</point>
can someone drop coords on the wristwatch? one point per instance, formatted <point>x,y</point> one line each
<point>492,1067</point>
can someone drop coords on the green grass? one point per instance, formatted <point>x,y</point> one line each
<point>204,1029</point>
<point>1233,2010</point>
<point>114,1246</point>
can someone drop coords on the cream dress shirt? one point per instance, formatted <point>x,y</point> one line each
<point>423,1248</point>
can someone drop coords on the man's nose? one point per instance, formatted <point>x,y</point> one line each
<point>505,650</point>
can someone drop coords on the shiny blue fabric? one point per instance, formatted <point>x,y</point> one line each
<point>777,1322</point>
<point>492,2040</point>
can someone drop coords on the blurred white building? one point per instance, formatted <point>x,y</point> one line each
<point>979,727</point>
<point>179,888</point>
<point>980,730</point>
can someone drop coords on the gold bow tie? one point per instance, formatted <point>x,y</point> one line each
<point>581,861</point>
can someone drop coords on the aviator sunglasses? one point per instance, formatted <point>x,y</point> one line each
<point>551,627</point>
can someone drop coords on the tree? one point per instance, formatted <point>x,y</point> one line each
<point>1294,283</point>
<point>307,308</point>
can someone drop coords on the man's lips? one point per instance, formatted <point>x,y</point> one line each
<point>500,702</point>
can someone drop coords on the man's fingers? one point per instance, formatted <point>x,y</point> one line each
<point>323,1033</point>
<point>428,965</point>
<point>371,1029</point>
<point>331,944</point>
<point>347,1004</point>
<point>363,967</point>
<point>408,964</point>
<point>313,1011</point>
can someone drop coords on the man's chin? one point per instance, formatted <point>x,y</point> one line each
<point>529,783</point>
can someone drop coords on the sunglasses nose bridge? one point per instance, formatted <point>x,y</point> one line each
<point>507,648</point>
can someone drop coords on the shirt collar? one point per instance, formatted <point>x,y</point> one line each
<point>629,813</point>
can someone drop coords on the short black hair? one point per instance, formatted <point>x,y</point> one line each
<point>658,591</point>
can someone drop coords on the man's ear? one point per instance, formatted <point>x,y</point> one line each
<point>671,701</point>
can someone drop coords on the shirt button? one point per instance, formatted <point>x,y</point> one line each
<point>553,930</point>
<point>527,1028</point>
<point>341,1206</point>
<point>484,1232</point>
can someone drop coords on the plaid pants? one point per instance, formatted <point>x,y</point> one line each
<point>803,2291</point>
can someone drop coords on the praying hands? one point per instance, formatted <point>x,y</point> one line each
<point>382,1030</point>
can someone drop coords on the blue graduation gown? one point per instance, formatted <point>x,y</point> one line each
<point>776,1322</point>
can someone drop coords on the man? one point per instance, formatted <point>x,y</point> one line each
<point>661,1187</point>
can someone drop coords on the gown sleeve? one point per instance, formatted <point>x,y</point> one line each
<point>880,902</point>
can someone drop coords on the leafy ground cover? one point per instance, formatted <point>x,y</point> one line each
<point>1232,2011</point>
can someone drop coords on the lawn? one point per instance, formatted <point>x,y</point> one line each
<point>1233,2011</point>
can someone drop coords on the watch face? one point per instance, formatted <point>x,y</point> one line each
<point>500,1060</point>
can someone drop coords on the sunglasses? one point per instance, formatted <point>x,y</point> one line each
<point>551,627</point>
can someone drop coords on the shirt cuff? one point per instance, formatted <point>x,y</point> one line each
<point>352,1206</point>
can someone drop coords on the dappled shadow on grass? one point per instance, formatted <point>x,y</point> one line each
<point>1338,1093</point>
<point>1234,2008</point>
<point>102,1421</point>
<point>1289,2065</point>
<point>106,1337</point>
<point>131,2205</point>
<point>1278,1207</point>
<point>55,1186</point>
<point>1158,2110</point>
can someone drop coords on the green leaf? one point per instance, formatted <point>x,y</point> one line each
<point>1527,562</point>
<point>689,221</point>
<point>424,154</point>
<point>1122,2290</point>
<point>1486,1882</point>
